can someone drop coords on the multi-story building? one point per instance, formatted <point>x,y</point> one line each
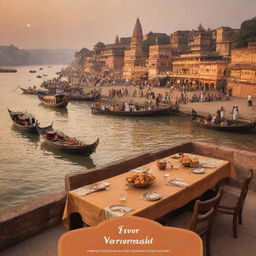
<point>202,69</point>
<point>202,40</point>
<point>108,58</point>
<point>224,41</point>
<point>179,40</point>
<point>242,71</point>
<point>159,61</point>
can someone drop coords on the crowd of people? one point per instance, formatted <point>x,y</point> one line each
<point>208,97</point>
<point>118,92</point>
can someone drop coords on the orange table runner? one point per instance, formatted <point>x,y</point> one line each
<point>91,206</point>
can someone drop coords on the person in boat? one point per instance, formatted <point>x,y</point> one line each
<point>222,113</point>
<point>209,118</point>
<point>126,107</point>
<point>235,113</point>
<point>249,99</point>
<point>213,121</point>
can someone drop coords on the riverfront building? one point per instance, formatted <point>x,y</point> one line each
<point>159,61</point>
<point>108,59</point>
<point>201,58</point>
<point>201,64</point>
<point>242,71</point>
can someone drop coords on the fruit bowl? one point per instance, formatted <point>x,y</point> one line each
<point>140,180</point>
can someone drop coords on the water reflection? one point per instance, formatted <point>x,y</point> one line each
<point>33,137</point>
<point>81,160</point>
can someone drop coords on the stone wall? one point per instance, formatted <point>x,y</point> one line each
<point>20,222</point>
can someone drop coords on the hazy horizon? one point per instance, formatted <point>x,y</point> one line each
<point>74,24</point>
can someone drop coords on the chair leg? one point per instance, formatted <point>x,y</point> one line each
<point>235,225</point>
<point>208,244</point>
<point>240,217</point>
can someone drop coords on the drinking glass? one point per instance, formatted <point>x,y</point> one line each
<point>122,198</point>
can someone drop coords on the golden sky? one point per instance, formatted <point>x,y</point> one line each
<point>82,23</point>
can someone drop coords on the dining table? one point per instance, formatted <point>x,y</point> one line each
<point>96,207</point>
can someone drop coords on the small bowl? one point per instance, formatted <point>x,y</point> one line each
<point>161,164</point>
<point>186,164</point>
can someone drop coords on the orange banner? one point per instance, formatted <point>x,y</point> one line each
<point>130,235</point>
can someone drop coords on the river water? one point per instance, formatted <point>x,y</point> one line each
<point>29,169</point>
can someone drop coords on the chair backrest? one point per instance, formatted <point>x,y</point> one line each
<point>245,182</point>
<point>204,213</point>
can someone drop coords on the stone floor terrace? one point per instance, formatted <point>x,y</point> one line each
<point>223,244</point>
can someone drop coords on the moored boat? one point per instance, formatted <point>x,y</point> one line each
<point>132,110</point>
<point>226,125</point>
<point>8,70</point>
<point>23,121</point>
<point>57,100</point>
<point>32,91</point>
<point>61,141</point>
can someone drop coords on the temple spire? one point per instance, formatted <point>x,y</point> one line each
<point>137,34</point>
<point>117,40</point>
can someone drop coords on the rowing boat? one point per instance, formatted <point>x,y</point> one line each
<point>23,121</point>
<point>227,125</point>
<point>57,100</point>
<point>63,142</point>
<point>141,112</point>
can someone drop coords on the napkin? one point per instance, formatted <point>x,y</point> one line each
<point>113,211</point>
<point>178,182</point>
<point>91,188</point>
<point>141,170</point>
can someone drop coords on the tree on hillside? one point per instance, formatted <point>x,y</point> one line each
<point>80,56</point>
<point>246,34</point>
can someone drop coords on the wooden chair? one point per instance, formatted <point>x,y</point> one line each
<point>201,220</point>
<point>233,199</point>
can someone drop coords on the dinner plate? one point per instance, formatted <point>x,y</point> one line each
<point>198,170</point>
<point>152,196</point>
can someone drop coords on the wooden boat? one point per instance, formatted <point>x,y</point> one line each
<point>63,142</point>
<point>8,70</point>
<point>227,125</point>
<point>38,76</point>
<point>32,71</point>
<point>57,100</point>
<point>140,113</point>
<point>23,121</point>
<point>32,91</point>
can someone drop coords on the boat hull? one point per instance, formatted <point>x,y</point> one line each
<point>81,150</point>
<point>246,128</point>
<point>57,105</point>
<point>157,112</point>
